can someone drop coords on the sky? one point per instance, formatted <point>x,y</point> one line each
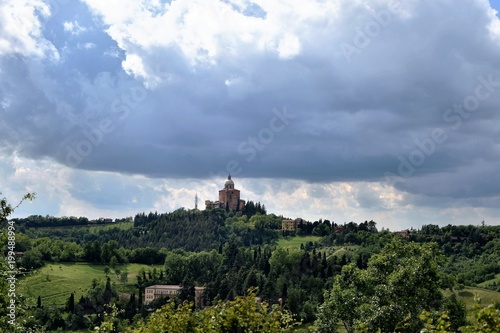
<point>344,110</point>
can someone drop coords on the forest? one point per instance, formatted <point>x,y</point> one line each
<point>348,277</point>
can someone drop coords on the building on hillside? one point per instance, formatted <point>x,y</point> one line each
<point>403,233</point>
<point>229,198</point>
<point>338,228</point>
<point>168,290</point>
<point>291,225</point>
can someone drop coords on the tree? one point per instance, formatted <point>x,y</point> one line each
<point>140,298</point>
<point>131,308</point>
<point>328,318</point>
<point>23,242</point>
<point>456,311</point>
<point>187,291</point>
<point>8,321</point>
<point>6,209</point>
<point>92,251</point>
<point>175,267</point>
<point>32,259</point>
<point>108,250</point>
<point>245,314</point>
<point>250,280</point>
<point>108,291</point>
<point>71,303</point>
<point>487,321</point>
<point>113,262</point>
<point>398,284</point>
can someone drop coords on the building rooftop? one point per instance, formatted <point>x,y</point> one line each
<point>165,286</point>
<point>229,181</point>
<point>171,286</point>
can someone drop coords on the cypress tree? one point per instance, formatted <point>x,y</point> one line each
<point>139,301</point>
<point>71,303</point>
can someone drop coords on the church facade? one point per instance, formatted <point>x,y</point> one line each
<point>229,198</point>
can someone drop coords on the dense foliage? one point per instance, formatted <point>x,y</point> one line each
<point>245,314</point>
<point>191,230</point>
<point>354,274</point>
<point>10,308</point>
<point>397,285</point>
<point>487,320</point>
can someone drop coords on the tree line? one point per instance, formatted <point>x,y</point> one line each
<point>355,275</point>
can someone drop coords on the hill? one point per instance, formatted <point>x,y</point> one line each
<point>191,230</point>
<point>55,282</point>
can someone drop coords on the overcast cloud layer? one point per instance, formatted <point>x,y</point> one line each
<point>386,110</point>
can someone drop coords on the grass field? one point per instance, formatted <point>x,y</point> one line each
<point>487,296</point>
<point>92,228</point>
<point>339,251</point>
<point>495,281</point>
<point>55,282</point>
<point>121,225</point>
<point>468,295</point>
<point>296,241</point>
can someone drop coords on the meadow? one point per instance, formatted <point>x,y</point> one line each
<point>55,282</point>
<point>294,242</point>
<point>493,282</point>
<point>95,229</point>
<point>469,295</point>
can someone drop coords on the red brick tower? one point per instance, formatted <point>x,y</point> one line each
<point>230,196</point>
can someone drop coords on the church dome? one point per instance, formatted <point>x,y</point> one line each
<point>229,181</point>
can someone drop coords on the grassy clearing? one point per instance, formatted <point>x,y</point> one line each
<point>91,228</point>
<point>55,282</point>
<point>339,251</point>
<point>296,241</point>
<point>121,225</point>
<point>468,295</point>
<point>487,296</point>
<point>495,281</point>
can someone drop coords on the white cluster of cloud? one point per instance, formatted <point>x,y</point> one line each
<point>66,192</point>
<point>74,28</point>
<point>344,110</point>
<point>21,29</point>
<point>205,33</point>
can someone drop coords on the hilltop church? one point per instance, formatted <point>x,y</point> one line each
<point>229,198</point>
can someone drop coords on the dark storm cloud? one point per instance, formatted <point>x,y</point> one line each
<point>320,115</point>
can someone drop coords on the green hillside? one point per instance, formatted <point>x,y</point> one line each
<point>486,296</point>
<point>55,282</point>
<point>493,283</point>
<point>296,241</point>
